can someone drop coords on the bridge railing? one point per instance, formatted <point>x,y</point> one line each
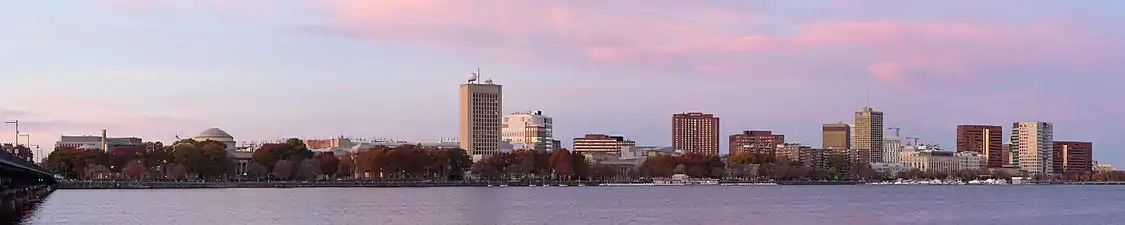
<point>8,157</point>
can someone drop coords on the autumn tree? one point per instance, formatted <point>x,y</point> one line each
<point>345,168</point>
<point>255,170</point>
<point>189,156</point>
<point>561,163</point>
<point>283,169</point>
<point>659,166</point>
<point>120,156</point>
<point>134,169</point>
<point>177,171</point>
<point>66,161</point>
<point>459,163</point>
<point>580,166</point>
<point>24,152</point>
<point>268,155</point>
<point>308,170</point>
<point>328,163</point>
<point>214,162</point>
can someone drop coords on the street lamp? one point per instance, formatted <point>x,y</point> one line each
<point>17,122</point>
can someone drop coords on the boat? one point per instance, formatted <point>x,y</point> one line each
<point>683,179</point>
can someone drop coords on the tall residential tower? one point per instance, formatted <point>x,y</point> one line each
<point>869,135</point>
<point>481,105</point>
<point>1033,147</point>
<point>696,132</point>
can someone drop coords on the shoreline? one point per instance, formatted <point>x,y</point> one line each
<point>88,185</point>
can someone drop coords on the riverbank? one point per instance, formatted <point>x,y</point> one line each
<point>377,184</point>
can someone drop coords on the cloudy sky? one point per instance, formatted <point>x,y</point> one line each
<point>390,68</point>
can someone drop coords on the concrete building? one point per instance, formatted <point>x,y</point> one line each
<point>1104,167</point>
<point>892,150</point>
<point>791,151</point>
<point>696,132</point>
<point>96,142</point>
<point>481,105</point>
<point>971,160</point>
<point>836,135</point>
<point>869,135</point>
<point>889,168</point>
<point>754,141</point>
<point>988,140</point>
<point>1033,148</point>
<point>601,144</point>
<point>1073,157</point>
<point>530,130</point>
<point>931,161</point>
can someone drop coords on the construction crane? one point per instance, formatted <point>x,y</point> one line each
<point>896,129</point>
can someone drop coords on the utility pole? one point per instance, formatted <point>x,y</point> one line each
<point>17,122</point>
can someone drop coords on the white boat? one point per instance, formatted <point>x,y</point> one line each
<point>683,179</point>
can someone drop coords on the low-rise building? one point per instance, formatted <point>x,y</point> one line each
<point>89,141</point>
<point>601,143</point>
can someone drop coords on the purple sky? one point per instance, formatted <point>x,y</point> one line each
<point>368,68</point>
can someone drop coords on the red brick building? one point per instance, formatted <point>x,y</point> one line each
<point>988,140</point>
<point>1073,157</point>
<point>756,141</point>
<point>696,132</point>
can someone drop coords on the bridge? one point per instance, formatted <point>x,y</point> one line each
<point>22,185</point>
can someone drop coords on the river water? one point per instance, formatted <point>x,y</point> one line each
<point>791,205</point>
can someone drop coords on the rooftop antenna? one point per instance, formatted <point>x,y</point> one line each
<point>868,103</point>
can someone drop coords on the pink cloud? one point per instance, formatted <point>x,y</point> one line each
<point>668,33</point>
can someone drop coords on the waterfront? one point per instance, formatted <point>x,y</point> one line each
<point>1013,204</point>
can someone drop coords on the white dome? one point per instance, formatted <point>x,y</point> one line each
<point>214,133</point>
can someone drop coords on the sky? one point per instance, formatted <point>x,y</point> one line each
<point>391,68</point>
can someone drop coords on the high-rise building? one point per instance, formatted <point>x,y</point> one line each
<point>601,143</point>
<point>1073,157</point>
<point>696,132</point>
<point>1006,156</point>
<point>755,141</point>
<point>988,140</point>
<point>836,135</point>
<point>869,135</point>
<point>1032,146</point>
<point>530,129</point>
<point>791,151</point>
<point>481,105</point>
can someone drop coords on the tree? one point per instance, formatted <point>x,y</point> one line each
<point>189,156</point>
<point>268,155</point>
<point>560,162</point>
<point>459,163</point>
<point>177,171</point>
<point>580,166</point>
<point>345,167</point>
<point>134,169</point>
<point>283,169</point>
<point>120,156</point>
<point>24,152</point>
<point>66,161</point>
<point>328,163</point>
<point>659,166</point>
<point>96,172</point>
<point>255,170</point>
<point>213,160</point>
<point>308,170</point>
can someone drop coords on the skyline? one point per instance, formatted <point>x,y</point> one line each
<point>308,69</point>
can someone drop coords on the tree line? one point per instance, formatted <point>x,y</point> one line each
<point>292,160</point>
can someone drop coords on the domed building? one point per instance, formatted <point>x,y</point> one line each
<point>216,134</point>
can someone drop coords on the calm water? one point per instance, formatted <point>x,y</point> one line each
<point>793,205</point>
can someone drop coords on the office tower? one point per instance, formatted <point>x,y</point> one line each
<point>1032,146</point>
<point>530,130</point>
<point>836,136</point>
<point>696,132</point>
<point>481,105</point>
<point>987,140</point>
<point>1073,157</point>
<point>757,142</point>
<point>869,135</point>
